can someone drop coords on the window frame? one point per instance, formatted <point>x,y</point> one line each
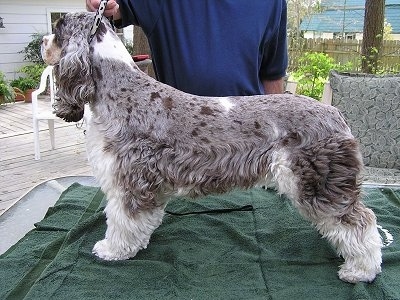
<point>58,10</point>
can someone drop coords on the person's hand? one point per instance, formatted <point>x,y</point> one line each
<point>112,8</point>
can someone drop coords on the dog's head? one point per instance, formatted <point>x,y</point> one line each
<point>68,50</point>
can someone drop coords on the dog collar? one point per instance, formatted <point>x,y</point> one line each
<point>97,19</point>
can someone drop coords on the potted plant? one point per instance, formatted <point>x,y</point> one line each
<point>19,94</point>
<point>34,69</point>
<point>7,93</point>
<point>31,80</point>
<point>25,85</point>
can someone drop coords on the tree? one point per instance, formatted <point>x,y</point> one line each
<point>141,45</point>
<point>373,34</point>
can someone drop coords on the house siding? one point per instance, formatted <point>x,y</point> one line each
<point>333,19</point>
<point>21,20</point>
<point>331,3</point>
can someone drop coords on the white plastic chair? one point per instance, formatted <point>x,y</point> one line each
<point>40,114</point>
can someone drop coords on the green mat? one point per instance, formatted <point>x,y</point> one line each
<point>267,253</point>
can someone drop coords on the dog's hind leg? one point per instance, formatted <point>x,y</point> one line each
<point>331,195</point>
<point>325,188</point>
<point>356,238</point>
<point>127,231</point>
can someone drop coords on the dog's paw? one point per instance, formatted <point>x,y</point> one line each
<point>104,250</point>
<point>353,275</point>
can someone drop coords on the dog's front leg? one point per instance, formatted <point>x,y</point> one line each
<point>127,232</point>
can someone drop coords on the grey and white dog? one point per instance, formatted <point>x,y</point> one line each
<point>148,141</point>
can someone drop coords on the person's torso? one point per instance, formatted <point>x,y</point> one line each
<point>210,47</point>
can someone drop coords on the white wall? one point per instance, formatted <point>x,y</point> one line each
<point>21,19</point>
<point>317,35</point>
<point>395,36</point>
<point>327,35</point>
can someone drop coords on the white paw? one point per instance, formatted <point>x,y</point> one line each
<point>353,275</point>
<point>104,250</point>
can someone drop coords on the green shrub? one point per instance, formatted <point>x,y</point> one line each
<point>7,93</point>
<point>128,45</point>
<point>32,51</point>
<point>313,71</point>
<point>24,83</point>
<point>33,72</point>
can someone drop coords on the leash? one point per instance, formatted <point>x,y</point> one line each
<point>97,19</point>
<point>212,211</point>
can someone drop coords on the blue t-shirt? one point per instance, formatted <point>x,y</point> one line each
<point>213,47</point>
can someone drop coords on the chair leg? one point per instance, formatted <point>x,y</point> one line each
<point>51,131</point>
<point>36,138</point>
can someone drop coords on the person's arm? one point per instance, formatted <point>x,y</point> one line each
<point>112,8</point>
<point>273,86</point>
<point>275,57</point>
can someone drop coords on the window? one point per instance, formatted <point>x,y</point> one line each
<point>54,16</point>
<point>54,13</point>
<point>350,36</point>
<point>337,35</point>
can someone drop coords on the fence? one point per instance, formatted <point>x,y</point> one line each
<point>345,51</point>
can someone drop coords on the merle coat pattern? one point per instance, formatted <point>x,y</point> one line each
<point>148,141</point>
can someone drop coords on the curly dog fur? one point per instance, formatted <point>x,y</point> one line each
<point>148,141</point>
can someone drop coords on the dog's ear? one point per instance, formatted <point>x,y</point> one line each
<point>74,77</point>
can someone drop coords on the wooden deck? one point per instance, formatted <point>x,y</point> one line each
<point>19,172</point>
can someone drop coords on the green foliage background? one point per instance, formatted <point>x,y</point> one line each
<point>312,73</point>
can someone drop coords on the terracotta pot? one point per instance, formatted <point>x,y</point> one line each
<point>28,95</point>
<point>19,97</point>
